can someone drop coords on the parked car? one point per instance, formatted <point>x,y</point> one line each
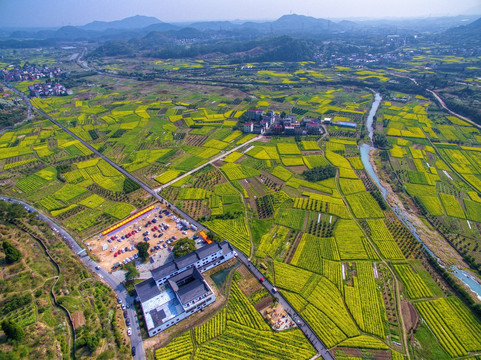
<point>133,350</point>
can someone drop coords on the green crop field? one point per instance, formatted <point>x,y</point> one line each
<point>68,192</point>
<point>473,210</point>
<point>310,145</point>
<point>281,173</point>
<point>271,241</point>
<point>364,206</point>
<point>236,171</point>
<point>288,149</point>
<point>312,161</point>
<point>234,230</point>
<point>291,218</point>
<point>192,194</point>
<point>452,206</point>
<point>455,327</point>
<point>384,240</point>
<point>349,186</point>
<point>167,176</point>
<point>349,239</point>
<point>93,201</point>
<point>413,283</point>
<point>432,204</point>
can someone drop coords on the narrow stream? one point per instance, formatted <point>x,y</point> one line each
<point>365,150</point>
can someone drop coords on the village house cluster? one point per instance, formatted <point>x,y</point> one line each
<point>49,89</point>
<point>271,123</point>
<point>31,72</point>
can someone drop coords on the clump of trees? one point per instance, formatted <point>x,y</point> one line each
<point>12,254</point>
<point>183,247</point>
<point>10,212</point>
<point>16,302</point>
<point>12,330</point>
<point>131,271</point>
<point>320,173</point>
<point>380,140</point>
<point>143,249</point>
<point>130,185</point>
<point>213,236</point>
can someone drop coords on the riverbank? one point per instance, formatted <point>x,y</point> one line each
<point>429,236</point>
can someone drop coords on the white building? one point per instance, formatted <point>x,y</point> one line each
<point>177,290</point>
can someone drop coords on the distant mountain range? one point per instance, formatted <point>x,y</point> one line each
<point>133,22</point>
<point>294,25</point>
<point>472,30</point>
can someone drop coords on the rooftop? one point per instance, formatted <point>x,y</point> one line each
<point>192,290</point>
<point>161,308</point>
<point>147,290</point>
<point>188,259</point>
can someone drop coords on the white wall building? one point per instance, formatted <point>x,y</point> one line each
<point>177,290</point>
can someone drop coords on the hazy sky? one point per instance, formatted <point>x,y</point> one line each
<point>34,13</point>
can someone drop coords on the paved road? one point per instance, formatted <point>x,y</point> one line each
<point>114,283</point>
<point>441,102</point>
<point>207,163</point>
<point>308,332</point>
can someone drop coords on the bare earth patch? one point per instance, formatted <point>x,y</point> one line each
<point>78,319</point>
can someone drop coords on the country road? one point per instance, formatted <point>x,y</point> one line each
<point>441,102</point>
<point>113,282</point>
<point>207,163</point>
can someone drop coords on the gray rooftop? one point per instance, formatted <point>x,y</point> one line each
<point>186,260</point>
<point>191,258</point>
<point>157,316</point>
<point>164,270</point>
<point>147,290</point>
<point>208,250</point>
<point>192,290</point>
<point>188,285</point>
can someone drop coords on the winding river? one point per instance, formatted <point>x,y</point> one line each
<point>365,150</point>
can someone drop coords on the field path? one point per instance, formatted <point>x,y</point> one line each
<point>207,163</point>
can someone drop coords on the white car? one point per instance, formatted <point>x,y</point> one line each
<point>129,331</point>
